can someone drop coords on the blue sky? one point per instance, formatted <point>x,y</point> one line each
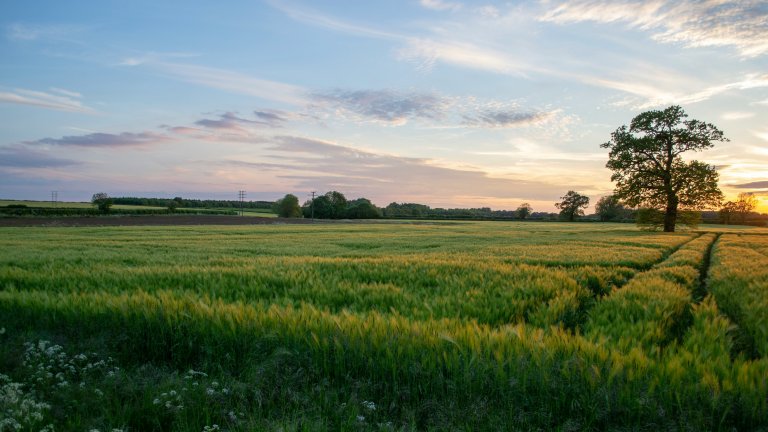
<point>448,103</point>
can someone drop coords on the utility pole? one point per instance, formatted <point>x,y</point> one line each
<point>312,206</point>
<point>241,196</point>
<point>54,198</point>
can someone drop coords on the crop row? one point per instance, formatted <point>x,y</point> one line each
<point>512,369</point>
<point>491,293</point>
<point>654,307</point>
<point>738,279</point>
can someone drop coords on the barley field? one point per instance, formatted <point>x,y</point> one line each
<point>383,327</point>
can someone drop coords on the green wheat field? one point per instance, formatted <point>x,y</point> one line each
<point>383,327</point>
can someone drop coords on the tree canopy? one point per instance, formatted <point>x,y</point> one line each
<point>102,201</point>
<point>572,205</point>
<point>288,207</point>
<point>744,204</point>
<point>523,211</point>
<point>648,168</point>
<point>610,208</point>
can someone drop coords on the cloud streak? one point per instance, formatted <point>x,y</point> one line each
<point>385,106</point>
<point>741,24</point>
<point>652,96</point>
<point>232,122</point>
<point>508,118</point>
<point>396,108</point>
<point>440,5</point>
<point>752,185</point>
<point>35,32</point>
<point>56,99</point>
<point>22,157</point>
<point>427,52</point>
<point>125,139</point>
<point>231,81</point>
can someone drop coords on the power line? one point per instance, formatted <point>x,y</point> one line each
<point>241,196</point>
<point>54,198</point>
<point>312,206</point>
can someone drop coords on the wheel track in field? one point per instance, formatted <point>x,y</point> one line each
<point>701,291</point>
<point>743,342</point>
<point>597,297</point>
<point>678,330</point>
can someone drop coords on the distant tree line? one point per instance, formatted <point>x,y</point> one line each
<point>418,211</point>
<point>192,203</point>
<point>334,205</point>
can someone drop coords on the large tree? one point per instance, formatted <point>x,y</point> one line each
<point>649,170</point>
<point>572,205</point>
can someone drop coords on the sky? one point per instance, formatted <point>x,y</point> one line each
<point>440,102</point>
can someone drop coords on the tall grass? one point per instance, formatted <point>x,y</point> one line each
<point>456,326</point>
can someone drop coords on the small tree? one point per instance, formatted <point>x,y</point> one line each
<point>523,211</point>
<point>102,201</point>
<point>648,167</point>
<point>174,204</point>
<point>610,208</point>
<point>572,205</point>
<point>739,209</point>
<point>727,212</point>
<point>745,203</point>
<point>288,207</point>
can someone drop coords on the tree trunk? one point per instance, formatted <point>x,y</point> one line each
<point>670,215</point>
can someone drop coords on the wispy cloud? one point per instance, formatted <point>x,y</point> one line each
<point>742,24</point>
<point>440,5</point>
<point>274,118</point>
<point>396,108</point>
<point>125,139</point>
<point>34,32</point>
<point>228,80</point>
<point>648,95</point>
<point>427,52</point>
<point>316,18</point>
<point>508,118</point>
<point>23,157</point>
<point>56,99</point>
<point>384,106</point>
<point>737,115</point>
<point>232,122</point>
<point>752,185</point>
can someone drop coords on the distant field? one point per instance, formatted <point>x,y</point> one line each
<point>387,326</point>
<point>87,205</point>
<point>65,204</point>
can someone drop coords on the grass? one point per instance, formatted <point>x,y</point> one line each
<point>389,326</point>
